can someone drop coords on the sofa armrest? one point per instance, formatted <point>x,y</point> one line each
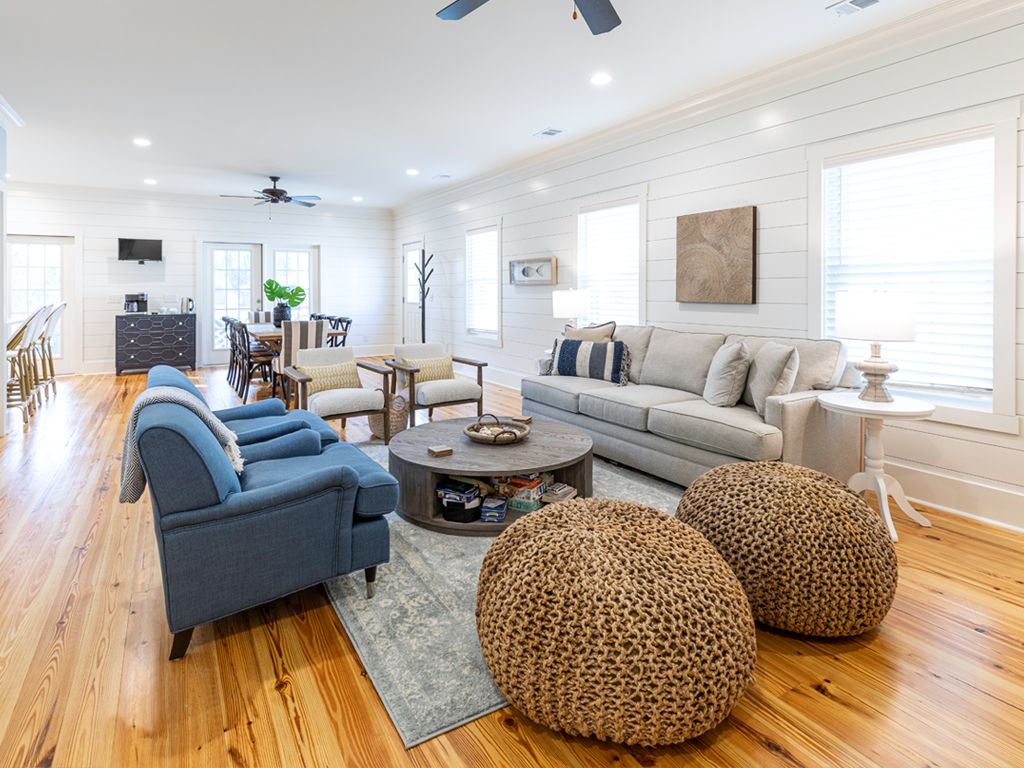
<point>302,442</point>
<point>813,436</point>
<point>306,486</point>
<point>269,407</point>
<point>271,431</point>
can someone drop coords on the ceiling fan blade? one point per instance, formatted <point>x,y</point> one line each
<point>303,203</point>
<point>458,9</point>
<point>262,202</point>
<point>599,15</point>
<point>245,197</point>
<point>305,197</point>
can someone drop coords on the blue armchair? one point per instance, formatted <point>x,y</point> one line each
<point>297,516</point>
<point>254,422</point>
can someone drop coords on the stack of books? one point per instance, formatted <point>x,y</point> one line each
<point>523,493</point>
<point>558,492</point>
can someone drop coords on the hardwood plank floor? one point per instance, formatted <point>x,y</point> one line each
<point>85,680</point>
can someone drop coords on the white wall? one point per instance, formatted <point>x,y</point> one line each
<point>747,149</point>
<point>357,269</point>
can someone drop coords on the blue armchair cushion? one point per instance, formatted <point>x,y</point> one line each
<point>304,442</point>
<point>327,435</point>
<point>269,407</point>
<point>185,466</point>
<point>377,492</point>
<point>278,428</point>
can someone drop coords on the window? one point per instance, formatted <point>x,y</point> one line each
<point>291,267</point>
<point>608,260</point>
<point>34,278</point>
<point>234,268</point>
<point>483,283</point>
<point>920,221</point>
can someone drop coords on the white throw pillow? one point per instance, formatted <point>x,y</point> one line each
<point>772,372</point>
<point>727,375</point>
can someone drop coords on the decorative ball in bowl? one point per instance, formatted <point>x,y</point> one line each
<point>493,431</point>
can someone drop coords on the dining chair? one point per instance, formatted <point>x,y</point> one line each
<point>340,402</point>
<point>426,369</point>
<point>252,357</point>
<point>261,316</point>
<point>21,348</point>
<point>295,335</point>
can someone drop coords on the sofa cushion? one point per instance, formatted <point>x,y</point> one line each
<point>628,406</point>
<point>680,360</point>
<point>562,392</point>
<point>727,375</point>
<point>822,361</point>
<point>637,338</point>
<point>378,490</point>
<point>601,332</point>
<point>327,435</point>
<point>736,431</point>
<point>773,372</point>
<point>447,391</point>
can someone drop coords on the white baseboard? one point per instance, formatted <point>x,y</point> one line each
<point>504,377</point>
<point>985,501</point>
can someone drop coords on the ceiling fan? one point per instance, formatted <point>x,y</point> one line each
<point>275,195</point>
<point>599,14</point>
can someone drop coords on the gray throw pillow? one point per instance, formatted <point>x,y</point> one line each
<point>772,372</point>
<point>603,332</point>
<point>727,375</point>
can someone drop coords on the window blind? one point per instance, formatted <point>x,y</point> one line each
<point>920,222</point>
<point>483,282</point>
<point>609,263</point>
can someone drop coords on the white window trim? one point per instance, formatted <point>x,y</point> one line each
<point>1001,119</point>
<point>486,339</point>
<point>610,199</point>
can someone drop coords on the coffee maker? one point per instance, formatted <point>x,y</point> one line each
<point>136,302</point>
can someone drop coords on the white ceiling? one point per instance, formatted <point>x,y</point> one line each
<point>341,96</point>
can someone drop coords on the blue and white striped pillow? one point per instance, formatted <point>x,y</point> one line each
<point>608,361</point>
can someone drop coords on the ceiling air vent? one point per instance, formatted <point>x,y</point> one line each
<point>548,132</point>
<point>846,7</point>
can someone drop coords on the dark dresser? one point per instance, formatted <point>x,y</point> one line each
<point>143,341</point>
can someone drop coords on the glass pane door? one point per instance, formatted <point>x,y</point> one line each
<point>295,267</point>
<point>233,273</point>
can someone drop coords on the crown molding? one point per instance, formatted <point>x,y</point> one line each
<point>8,117</point>
<point>917,27</point>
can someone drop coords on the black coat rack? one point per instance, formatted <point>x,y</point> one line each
<point>424,278</point>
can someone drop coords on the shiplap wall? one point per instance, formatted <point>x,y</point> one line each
<point>356,266</point>
<point>745,152</point>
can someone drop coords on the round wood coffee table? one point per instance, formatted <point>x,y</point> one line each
<point>553,447</point>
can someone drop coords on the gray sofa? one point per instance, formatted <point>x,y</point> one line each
<point>659,423</point>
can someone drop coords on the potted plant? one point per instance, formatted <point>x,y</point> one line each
<point>286,298</point>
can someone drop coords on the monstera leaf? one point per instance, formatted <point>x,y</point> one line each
<point>292,295</point>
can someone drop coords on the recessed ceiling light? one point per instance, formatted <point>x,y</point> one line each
<point>600,78</point>
<point>357,199</point>
<point>151,182</point>
<point>142,142</point>
<point>411,172</point>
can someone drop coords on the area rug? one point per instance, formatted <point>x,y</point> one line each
<point>417,637</point>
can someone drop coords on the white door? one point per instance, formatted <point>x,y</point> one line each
<point>411,325</point>
<point>232,288</point>
<point>40,270</point>
<point>296,266</point>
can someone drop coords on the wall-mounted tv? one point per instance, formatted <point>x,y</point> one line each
<point>139,250</point>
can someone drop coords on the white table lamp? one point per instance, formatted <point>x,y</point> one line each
<point>875,316</point>
<point>570,304</point>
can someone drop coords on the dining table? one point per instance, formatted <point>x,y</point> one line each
<point>270,334</point>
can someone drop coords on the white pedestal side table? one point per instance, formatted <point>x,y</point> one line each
<point>873,478</point>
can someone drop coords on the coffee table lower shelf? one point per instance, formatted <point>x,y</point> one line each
<point>419,504</point>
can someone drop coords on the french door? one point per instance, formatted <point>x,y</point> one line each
<point>233,278</point>
<point>40,271</point>
<point>411,326</point>
<point>296,266</point>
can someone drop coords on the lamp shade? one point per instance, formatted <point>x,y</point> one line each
<point>875,315</point>
<point>570,304</point>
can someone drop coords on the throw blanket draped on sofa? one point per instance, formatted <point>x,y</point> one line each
<point>133,479</point>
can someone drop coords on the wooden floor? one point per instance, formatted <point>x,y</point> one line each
<point>84,679</point>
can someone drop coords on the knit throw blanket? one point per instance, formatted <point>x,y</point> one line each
<point>133,479</point>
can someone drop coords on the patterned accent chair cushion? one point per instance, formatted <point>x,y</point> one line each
<point>338,376</point>
<point>432,368</point>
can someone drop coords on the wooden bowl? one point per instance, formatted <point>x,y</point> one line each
<point>493,431</point>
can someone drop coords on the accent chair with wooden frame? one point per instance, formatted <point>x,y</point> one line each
<point>343,403</point>
<point>428,395</point>
<point>295,335</point>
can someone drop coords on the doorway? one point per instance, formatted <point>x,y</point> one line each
<point>233,275</point>
<point>411,327</point>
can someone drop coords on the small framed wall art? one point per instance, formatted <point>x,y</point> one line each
<point>534,271</point>
<point>716,256</point>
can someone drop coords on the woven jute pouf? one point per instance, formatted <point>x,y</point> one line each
<point>608,619</point>
<point>811,555</point>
